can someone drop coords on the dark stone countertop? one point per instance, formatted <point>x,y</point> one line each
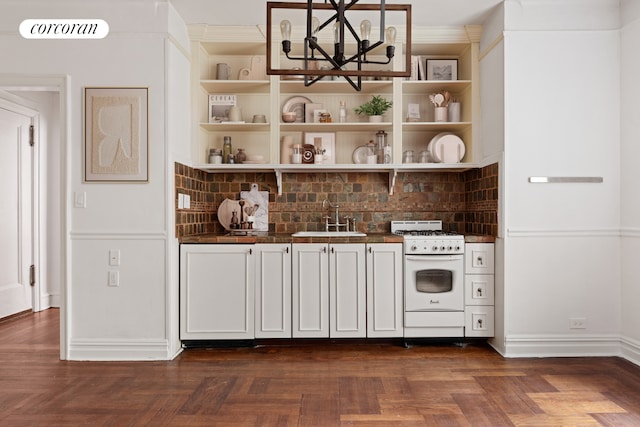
<point>266,237</point>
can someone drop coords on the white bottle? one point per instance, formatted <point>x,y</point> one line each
<point>342,117</point>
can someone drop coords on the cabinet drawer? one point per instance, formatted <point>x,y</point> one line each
<point>479,289</point>
<point>478,258</point>
<point>479,321</point>
<point>433,324</point>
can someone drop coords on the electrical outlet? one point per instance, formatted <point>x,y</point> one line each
<point>114,257</point>
<point>578,323</point>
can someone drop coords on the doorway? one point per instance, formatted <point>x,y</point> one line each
<point>48,97</point>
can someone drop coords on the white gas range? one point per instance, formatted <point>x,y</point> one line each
<point>433,279</point>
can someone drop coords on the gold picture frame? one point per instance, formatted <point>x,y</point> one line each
<point>116,134</point>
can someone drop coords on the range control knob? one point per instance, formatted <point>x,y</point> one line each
<point>443,248</point>
<point>434,248</point>
<point>457,248</point>
<point>414,248</point>
<point>450,248</point>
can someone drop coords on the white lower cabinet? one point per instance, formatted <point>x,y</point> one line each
<point>479,290</point>
<point>301,290</point>
<point>216,291</point>
<point>310,290</point>
<point>273,291</point>
<point>329,291</point>
<point>347,291</point>
<point>385,290</point>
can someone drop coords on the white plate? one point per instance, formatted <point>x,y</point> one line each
<point>446,148</point>
<point>296,104</point>
<point>360,154</point>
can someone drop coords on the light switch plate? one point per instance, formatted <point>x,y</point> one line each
<point>80,199</point>
<point>180,201</point>
<point>114,278</point>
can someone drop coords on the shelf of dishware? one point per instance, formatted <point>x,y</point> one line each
<point>240,48</point>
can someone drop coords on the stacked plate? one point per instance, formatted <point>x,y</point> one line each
<point>446,148</point>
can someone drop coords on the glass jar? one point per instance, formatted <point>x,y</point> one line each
<point>381,141</point>
<point>408,157</point>
<point>241,156</point>
<point>215,156</point>
<point>226,149</point>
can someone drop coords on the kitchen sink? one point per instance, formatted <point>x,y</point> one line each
<point>328,234</point>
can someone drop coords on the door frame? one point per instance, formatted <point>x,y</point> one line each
<point>60,84</point>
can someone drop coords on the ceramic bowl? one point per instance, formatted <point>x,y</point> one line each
<point>289,116</point>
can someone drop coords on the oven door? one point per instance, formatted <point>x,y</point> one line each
<point>434,282</point>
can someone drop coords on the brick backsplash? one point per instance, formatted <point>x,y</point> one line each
<point>465,202</point>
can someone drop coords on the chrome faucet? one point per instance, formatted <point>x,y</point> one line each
<point>336,224</point>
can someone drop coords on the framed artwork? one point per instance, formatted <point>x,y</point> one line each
<point>323,141</point>
<point>116,134</point>
<point>442,69</point>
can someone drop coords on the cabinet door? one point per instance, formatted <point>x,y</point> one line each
<point>216,291</point>
<point>384,290</point>
<point>273,291</point>
<point>347,291</point>
<point>310,290</point>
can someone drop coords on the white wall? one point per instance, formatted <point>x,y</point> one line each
<point>630,176</point>
<point>129,321</point>
<point>492,92</point>
<point>562,109</point>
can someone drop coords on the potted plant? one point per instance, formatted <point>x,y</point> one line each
<point>374,108</point>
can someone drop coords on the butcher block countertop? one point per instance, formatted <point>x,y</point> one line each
<point>266,237</point>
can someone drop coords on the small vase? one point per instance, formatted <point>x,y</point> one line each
<point>375,119</point>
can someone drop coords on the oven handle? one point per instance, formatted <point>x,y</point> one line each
<point>433,257</point>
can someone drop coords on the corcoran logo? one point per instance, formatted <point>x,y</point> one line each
<point>64,29</point>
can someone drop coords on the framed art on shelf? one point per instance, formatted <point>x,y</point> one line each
<point>323,141</point>
<point>116,129</point>
<point>442,69</point>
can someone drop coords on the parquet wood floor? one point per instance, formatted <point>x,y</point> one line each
<point>308,385</point>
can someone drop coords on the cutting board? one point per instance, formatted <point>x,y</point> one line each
<point>258,198</point>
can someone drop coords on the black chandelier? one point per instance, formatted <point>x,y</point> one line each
<point>341,60</point>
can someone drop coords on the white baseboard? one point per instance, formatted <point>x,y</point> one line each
<point>630,350</point>
<point>120,350</point>
<point>562,346</point>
